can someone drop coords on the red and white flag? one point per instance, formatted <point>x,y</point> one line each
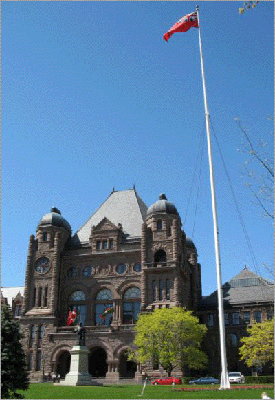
<point>183,25</point>
<point>71,320</point>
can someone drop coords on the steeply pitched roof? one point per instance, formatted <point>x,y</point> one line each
<point>246,287</point>
<point>124,207</point>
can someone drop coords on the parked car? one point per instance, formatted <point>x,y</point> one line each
<point>166,381</point>
<point>236,377</point>
<point>205,381</point>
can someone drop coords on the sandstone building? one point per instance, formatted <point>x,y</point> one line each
<point>125,256</point>
<point>128,257</point>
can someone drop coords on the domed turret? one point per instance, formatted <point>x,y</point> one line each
<point>190,244</point>
<point>162,206</point>
<point>55,218</point>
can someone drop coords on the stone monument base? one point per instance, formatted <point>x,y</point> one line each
<point>78,375</point>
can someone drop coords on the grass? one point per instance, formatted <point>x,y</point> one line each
<point>49,391</point>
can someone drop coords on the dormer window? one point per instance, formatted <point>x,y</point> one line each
<point>159,225</point>
<point>45,236</point>
<point>106,244</point>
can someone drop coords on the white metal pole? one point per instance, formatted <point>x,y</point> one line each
<point>224,384</point>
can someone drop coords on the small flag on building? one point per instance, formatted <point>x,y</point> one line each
<point>71,320</point>
<point>183,25</point>
<point>109,310</point>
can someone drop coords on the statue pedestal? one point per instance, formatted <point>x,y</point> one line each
<point>78,375</point>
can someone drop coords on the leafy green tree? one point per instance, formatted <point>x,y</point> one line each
<point>172,336</point>
<point>14,373</point>
<point>258,347</point>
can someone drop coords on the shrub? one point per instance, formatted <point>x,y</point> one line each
<point>259,379</point>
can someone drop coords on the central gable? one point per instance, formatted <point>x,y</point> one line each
<point>104,225</point>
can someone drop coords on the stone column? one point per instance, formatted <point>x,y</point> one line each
<point>28,280</point>
<point>119,311</point>
<point>112,374</point>
<point>138,374</point>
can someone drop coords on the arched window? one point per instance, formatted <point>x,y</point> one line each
<point>103,301</point>
<point>160,257</point>
<point>137,267</point>
<point>77,302</point>
<point>233,340</point>
<point>131,305</point>
<point>159,225</point>
<point>72,272</point>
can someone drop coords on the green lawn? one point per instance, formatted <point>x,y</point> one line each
<point>49,391</point>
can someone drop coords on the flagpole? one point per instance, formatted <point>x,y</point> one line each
<point>224,384</point>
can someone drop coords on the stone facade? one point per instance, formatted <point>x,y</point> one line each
<point>125,256</point>
<point>131,259</point>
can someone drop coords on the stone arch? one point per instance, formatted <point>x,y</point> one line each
<point>61,360</point>
<point>160,256</point>
<point>63,363</point>
<point>105,285</point>
<point>72,287</point>
<point>126,285</point>
<point>126,368</point>
<point>58,349</point>
<point>159,246</point>
<point>98,361</point>
<point>104,345</point>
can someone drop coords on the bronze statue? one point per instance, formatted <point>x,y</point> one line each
<point>80,330</point>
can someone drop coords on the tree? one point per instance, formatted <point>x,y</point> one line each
<point>172,337</point>
<point>14,373</point>
<point>258,347</point>
<point>259,171</point>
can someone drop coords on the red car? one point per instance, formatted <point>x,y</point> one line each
<point>167,381</point>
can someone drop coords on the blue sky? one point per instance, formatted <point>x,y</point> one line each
<point>94,98</point>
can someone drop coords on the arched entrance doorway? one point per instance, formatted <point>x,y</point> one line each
<point>127,368</point>
<point>63,363</point>
<point>98,366</point>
